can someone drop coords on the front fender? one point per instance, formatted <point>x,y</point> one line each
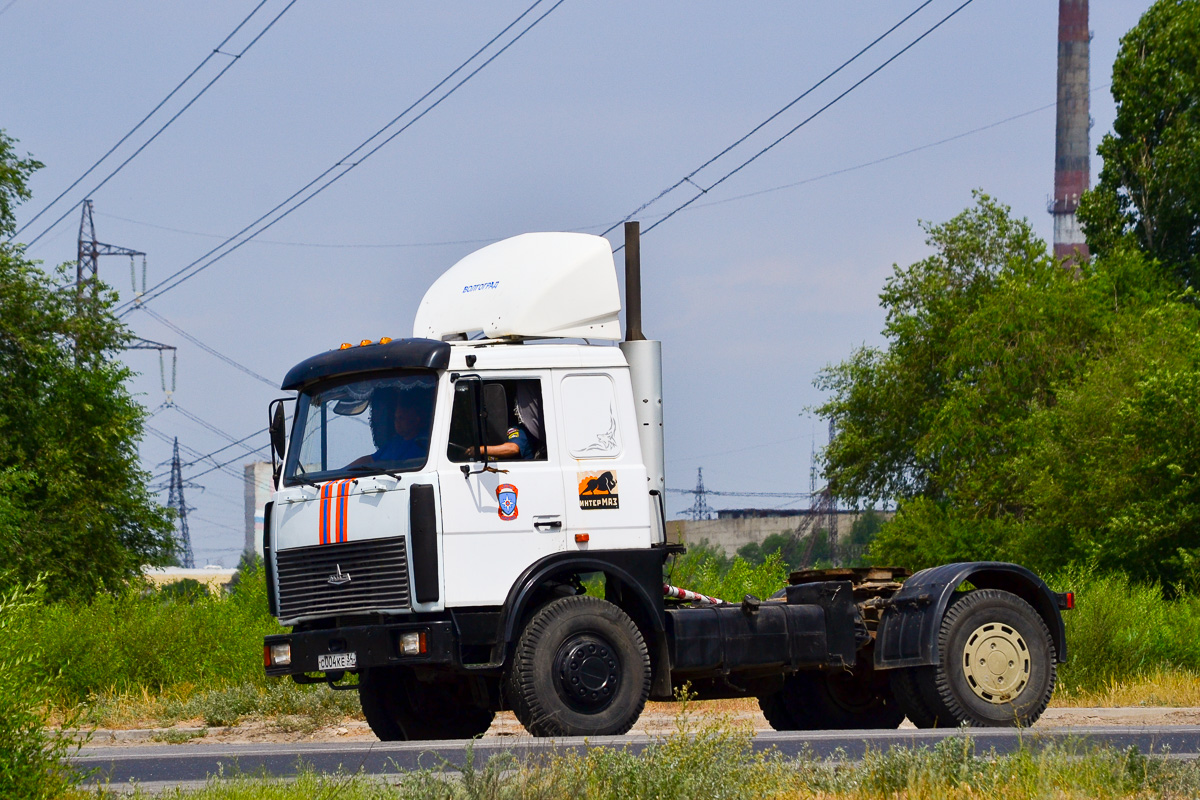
<point>908,630</point>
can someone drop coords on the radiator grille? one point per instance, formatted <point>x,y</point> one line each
<point>377,570</point>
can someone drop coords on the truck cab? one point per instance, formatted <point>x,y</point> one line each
<point>471,519</point>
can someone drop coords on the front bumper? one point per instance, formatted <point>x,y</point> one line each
<point>374,646</point>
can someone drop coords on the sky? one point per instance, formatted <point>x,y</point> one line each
<point>754,288</point>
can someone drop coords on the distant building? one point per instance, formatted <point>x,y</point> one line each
<point>760,513</point>
<point>737,527</point>
<point>215,578</point>
<point>257,493</point>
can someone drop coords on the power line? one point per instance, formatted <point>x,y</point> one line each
<point>134,129</point>
<point>209,350</point>
<point>688,178</point>
<point>234,58</point>
<point>596,226</point>
<point>222,465</point>
<point>198,456</point>
<point>194,268</point>
<point>808,119</point>
<point>189,450</point>
<point>213,428</point>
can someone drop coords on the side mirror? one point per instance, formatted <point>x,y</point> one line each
<point>277,428</point>
<point>278,431</point>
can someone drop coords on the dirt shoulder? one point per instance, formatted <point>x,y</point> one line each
<point>658,719</point>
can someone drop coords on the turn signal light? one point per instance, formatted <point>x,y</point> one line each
<point>582,538</point>
<point>412,644</point>
<point>277,655</point>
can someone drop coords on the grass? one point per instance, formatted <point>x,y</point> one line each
<point>285,705</point>
<point>716,759</point>
<point>1121,636</point>
<point>161,658</point>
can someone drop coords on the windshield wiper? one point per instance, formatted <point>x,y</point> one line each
<point>391,473</point>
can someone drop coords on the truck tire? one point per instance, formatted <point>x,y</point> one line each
<point>398,707</point>
<point>832,700</point>
<point>580,668</point>
<point>907,691</point>
<point>998,665</point>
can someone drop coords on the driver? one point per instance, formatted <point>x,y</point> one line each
<point>407,439</point>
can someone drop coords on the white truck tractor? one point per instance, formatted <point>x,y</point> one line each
<point>442,502</point>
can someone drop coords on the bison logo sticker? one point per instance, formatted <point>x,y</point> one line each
<point>506,495</point>
<point>598,490</point>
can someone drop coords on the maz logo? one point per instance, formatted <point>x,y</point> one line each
<point>339,578</point>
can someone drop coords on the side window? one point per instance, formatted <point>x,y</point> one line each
<point>590,411</point>
<point>525,423</point>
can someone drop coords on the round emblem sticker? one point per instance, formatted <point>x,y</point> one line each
<point>506,494</point>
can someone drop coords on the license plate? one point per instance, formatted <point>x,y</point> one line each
<point>331,661</point>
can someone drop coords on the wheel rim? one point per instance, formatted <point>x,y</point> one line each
<point>587,672</point>
<point>996,662</point>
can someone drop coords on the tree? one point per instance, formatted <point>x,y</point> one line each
<point>1024,412</point>
<point>978,335</point>
<point>75,505</point>
<point>1149,188</point>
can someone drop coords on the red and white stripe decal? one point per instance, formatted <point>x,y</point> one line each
<point>343,498</point>
<point>335,498</point>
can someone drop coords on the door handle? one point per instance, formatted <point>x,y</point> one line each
<point>552,524</point>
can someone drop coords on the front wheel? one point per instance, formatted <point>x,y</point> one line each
<point>580,668</point>
<point>998,665</point>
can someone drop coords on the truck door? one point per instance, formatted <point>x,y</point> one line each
<point>497,523</point>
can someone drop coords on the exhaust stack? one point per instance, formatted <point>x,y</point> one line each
<point>645,372</point>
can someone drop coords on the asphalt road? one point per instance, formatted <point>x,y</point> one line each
<point>156,766</point>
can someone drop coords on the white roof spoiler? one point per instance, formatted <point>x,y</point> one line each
<point>536,285</point>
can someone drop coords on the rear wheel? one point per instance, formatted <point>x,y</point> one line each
<point>399,707</point>
<point>842,700</point>
<point>580,668</point>
<point>997,663</point>
<point>906,688</point>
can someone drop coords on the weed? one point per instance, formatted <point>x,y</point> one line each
<point>177,736</point>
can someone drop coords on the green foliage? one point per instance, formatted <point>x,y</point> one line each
<point>1025,412</point>
<point>14,179</point>
<point>1112,471</point>
<point>187,589</point>
<point>706,570</point>
<point>75,505</point>
<point>718,760</point>
<point>142,639</point>
<point>789,547</point>
<point>1121,630</point>
<point>31,756</point>
<point>925,533</point>
<point>978,335</point>
<point>1149,189</point>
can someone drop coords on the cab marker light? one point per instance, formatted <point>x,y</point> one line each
<point>278,655</point>
<point>345,346</point>
<point>412,644</point>
<point>385,339</point>
<point>365,342</point>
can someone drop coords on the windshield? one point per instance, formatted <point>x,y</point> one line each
<point>371,425</point>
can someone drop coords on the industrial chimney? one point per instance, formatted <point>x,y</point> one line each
<point>1072,168</point>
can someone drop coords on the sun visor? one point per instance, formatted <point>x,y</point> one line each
<point>530,286</point>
